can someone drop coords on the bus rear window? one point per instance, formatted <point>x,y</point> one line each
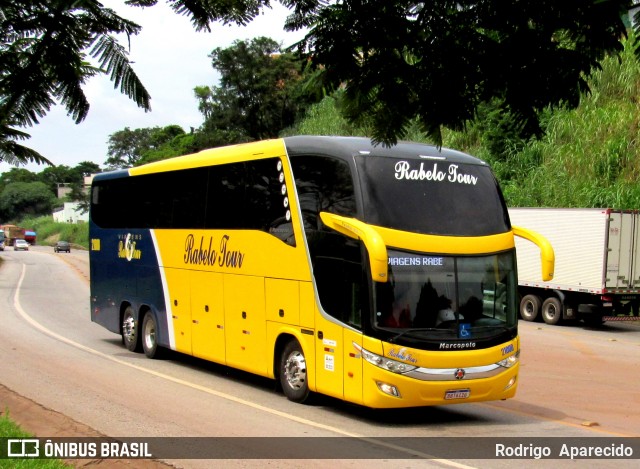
<point>435,197</point>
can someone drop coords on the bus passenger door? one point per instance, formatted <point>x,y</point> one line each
<point>245,323</point>
<point>180,304</point>
<point>207,316</point>
<point>339,284</point>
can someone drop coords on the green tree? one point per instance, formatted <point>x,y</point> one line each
<point>15,175</point>
<point>20,199</point>
<point>45,54</point>
<point>127,148</point>
<point>54,176</point>
<point>261,92</point>
<point>398,61</point>
<point>438,61</point>
<point>50,48</point>
<point>181,144</point>
<point>86,168</point>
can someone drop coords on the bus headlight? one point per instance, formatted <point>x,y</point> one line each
<point>510,361</point>
<point>383,362</point>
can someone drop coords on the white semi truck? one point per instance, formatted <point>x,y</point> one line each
<point>597,264</point>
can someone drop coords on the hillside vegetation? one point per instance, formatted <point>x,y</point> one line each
<point>49,231</point>
<point>588,157</point>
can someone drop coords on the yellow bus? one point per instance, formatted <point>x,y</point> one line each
<point>385,277</point>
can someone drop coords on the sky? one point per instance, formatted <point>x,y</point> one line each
<point>171,59</point>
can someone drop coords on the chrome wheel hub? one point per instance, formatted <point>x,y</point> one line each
<point>149,335</point>
<point>129,328</point>
<point>295,370</point>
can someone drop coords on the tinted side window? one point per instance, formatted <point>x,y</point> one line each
<point>163,200</point>
<point>249,195</point>
<point>252,196</point>
<point>176,199</point>
<point>323,185</point>
<point>326,184</point>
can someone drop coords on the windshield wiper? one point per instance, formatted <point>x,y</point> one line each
<point>475,330</point>
<point>409,331</point>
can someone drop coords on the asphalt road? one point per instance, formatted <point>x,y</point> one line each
<point>574,382</point>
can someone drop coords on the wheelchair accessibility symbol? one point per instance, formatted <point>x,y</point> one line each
<point>464,331</point>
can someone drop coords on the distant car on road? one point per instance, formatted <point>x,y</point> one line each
<point>20,245</point>
<point>62,246</point>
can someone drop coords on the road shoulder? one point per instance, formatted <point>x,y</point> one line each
<point>46,423</point>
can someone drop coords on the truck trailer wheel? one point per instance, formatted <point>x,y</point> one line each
<point>552,310</point>
<point>530,307</point>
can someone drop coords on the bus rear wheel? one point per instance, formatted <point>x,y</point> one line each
<point>130,336</point>
<point>149,336</point>
<point>552,310</point>
<point>293,372</point>
<point>530,307</point>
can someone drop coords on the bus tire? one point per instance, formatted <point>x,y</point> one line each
<point>293,372</point>
<point>552,310</point>
<point>150,336</point>
<point>130,336</point>
<point>530,307</point>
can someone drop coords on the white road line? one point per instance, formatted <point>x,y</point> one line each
<point>311,423</point>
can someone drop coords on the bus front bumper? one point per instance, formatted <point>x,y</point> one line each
<point>384,389</point>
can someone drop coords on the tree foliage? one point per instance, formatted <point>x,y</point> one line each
<point>399,61</point>
<point>261,92</point>
<point>25,198</point>
<point>50,48</point>
<point>22,191</point>
<point>46,50</point>
<point>438,61</point>
<point>127,148</point>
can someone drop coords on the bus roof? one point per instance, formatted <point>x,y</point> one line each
<point>339,147</point>
<point>213,156</point>
<point>346,147</point>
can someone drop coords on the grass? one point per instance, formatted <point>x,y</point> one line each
<point>9,429</point>
<point>589,156</point>
<point>49,231</point>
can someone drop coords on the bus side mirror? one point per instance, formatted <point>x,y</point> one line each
<point>547,256</point>
<point>378,257</point>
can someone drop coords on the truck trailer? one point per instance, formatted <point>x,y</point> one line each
<point>11,233</point>
<point>597,269</point>
<point>30,237</point>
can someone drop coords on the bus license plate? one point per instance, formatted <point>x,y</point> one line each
<point>457,394</point>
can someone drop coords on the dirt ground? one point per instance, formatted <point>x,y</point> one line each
<point>42,422</point>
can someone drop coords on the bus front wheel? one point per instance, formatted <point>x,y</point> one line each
<point>293,372</point>
<point>130,336</point>
<point>149,336</point>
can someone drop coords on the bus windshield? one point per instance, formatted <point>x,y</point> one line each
<point>447,297</point>
<point>431,196</point>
